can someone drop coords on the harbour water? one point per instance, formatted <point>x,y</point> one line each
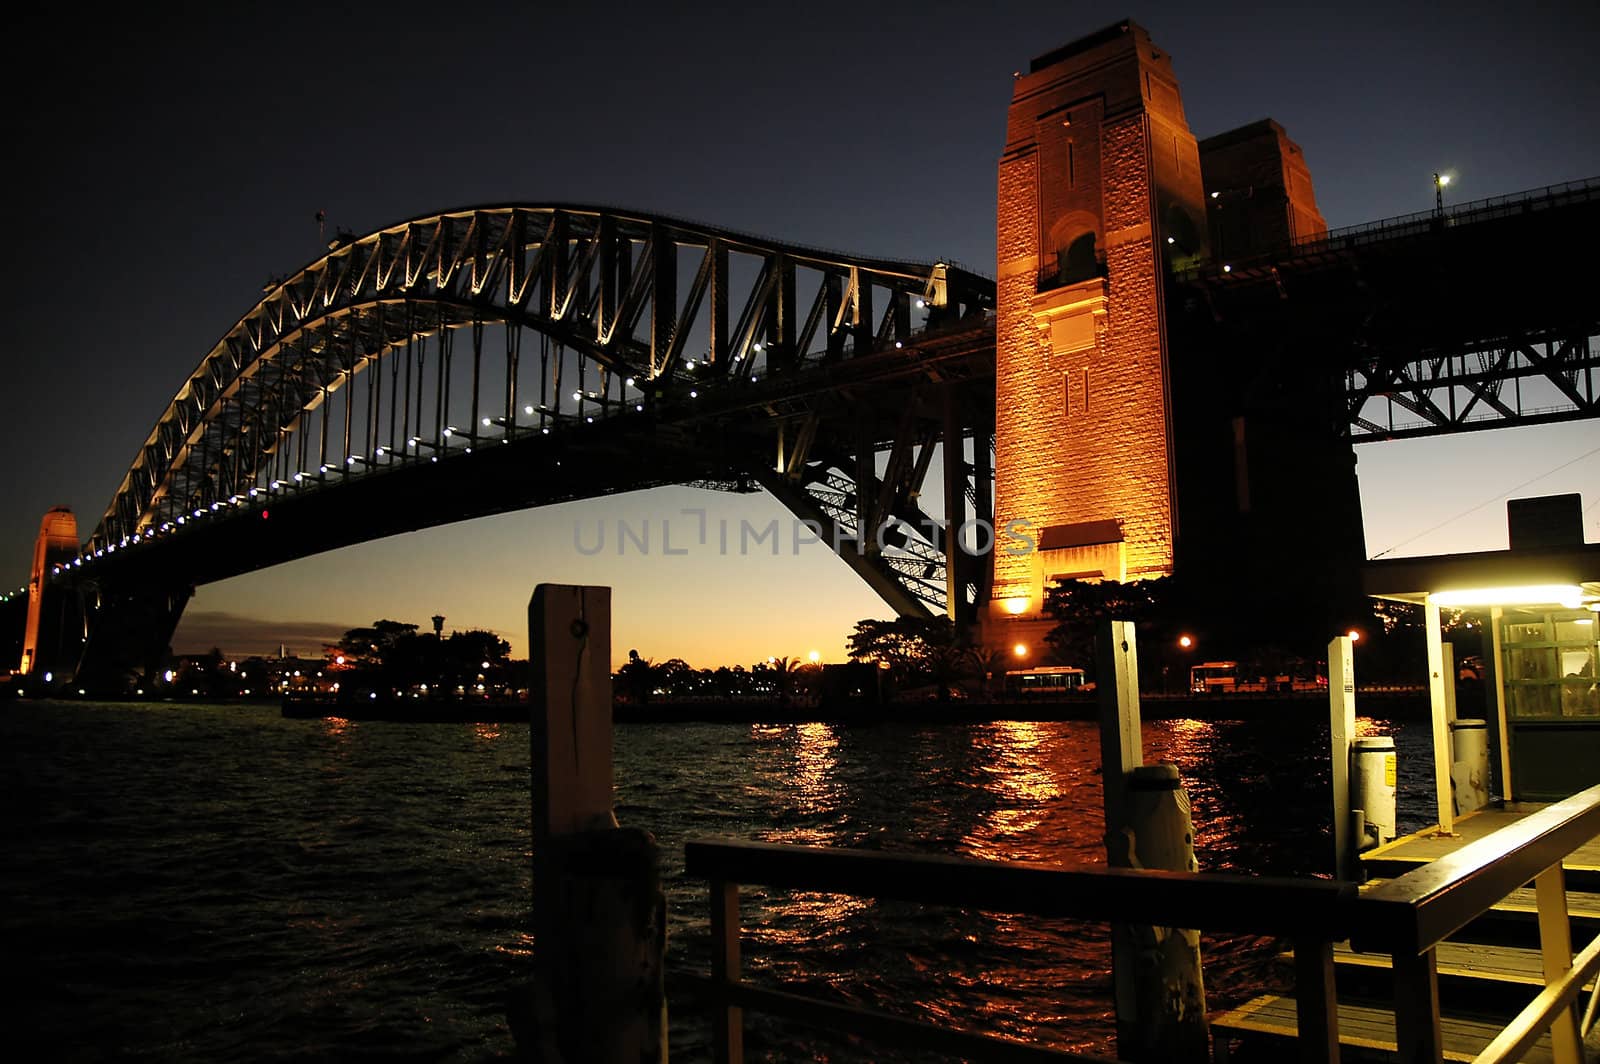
<point>202,883</point>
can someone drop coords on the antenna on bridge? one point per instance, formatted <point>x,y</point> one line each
<point>322,227</point>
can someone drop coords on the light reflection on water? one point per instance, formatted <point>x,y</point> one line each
<point>204,883</point>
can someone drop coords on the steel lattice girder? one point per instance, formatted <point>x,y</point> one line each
<point>601,283</point>
<point>585,277</point>
<point>1480,388</point>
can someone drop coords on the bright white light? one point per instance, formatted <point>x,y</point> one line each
<point>350,461</point>
<point>487,422</point>
<point>1017,605</point>
<point>578,396</point>
<point>449,431</point>
<point>637,406</point>
<point>1172,240</point>
<point>323,469</point>
<point>921,303</point>
<point>527,410</point>
<point>628,382</point>
<point>694,394</point>
<point>1567,595</point>
<point>1226,268</point>
<point>589,420</point>
<point>1444,179</point>
<point>690,363</point>
<point>435,458</point>
<point>898,344</point>
<point>1214,195</point>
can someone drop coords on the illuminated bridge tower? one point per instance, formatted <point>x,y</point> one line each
<point>54,632</point>
<point>1099,191</point>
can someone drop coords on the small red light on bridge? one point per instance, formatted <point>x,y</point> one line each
<point>264,514</point>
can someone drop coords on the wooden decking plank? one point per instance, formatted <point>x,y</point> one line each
<point>1420,847</point>
<point>1467,960</point>
<point>1365,1026</point>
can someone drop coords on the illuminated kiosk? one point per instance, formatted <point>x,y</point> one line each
<point>1540,600</point>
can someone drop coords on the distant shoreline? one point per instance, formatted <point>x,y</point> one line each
<point>1387,705</point>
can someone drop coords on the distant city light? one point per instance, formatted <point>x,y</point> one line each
<point>1017,605</point>
<point>1355,636</point>
<point>1020,650</point>
<point>1185,642</point>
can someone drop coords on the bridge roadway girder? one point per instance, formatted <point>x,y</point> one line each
<point>725,437</point>
<point>1437,318</point>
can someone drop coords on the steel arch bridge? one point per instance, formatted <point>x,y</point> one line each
<point>573,351</point>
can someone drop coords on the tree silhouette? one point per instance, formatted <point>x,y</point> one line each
<point>916,649</point>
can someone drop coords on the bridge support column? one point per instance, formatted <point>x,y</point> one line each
<point>956,561</point>
<point>127,632</point>
<point>1099,192</point>
<point>599,916</point>
<point>51,639</point>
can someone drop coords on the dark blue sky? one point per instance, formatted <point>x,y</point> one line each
<point>165,164</point>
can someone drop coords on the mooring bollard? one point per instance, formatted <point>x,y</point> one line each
<point>599,915</point>
<point>1156,971</point>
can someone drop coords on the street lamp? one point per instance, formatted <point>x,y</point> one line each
<point>1439,182</point>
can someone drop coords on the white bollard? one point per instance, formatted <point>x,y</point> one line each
<point>1469,771</point>
<point>1372,779</point>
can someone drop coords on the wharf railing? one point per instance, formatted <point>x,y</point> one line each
<point>1406,917</point>
<point>1311,913</point>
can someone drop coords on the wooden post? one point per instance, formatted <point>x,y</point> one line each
<point>1159,991</point>
<point>1117,697</point>
<point>1416,1004</point>
<point>1496,615</point>
<point>1341,732</point>
<point>1316,1001</point>
<point>728,1020</point>
<point>1447,663</point>
<point>1441,728</point>
<point>598,910</point>
<point>1555,947</point>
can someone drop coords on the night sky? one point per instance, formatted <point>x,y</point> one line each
<point>165,164</point>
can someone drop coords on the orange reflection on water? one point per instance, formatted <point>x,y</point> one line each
<point>1023,784</point>
<point>816,761</point>
<point>337,726</point>
<point>486,731</point>
<point>808,918</point>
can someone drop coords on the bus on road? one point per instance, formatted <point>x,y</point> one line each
<point>1213,677</point>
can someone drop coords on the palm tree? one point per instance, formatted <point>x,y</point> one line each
<point>989,663</point>
<point>783,677</point>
